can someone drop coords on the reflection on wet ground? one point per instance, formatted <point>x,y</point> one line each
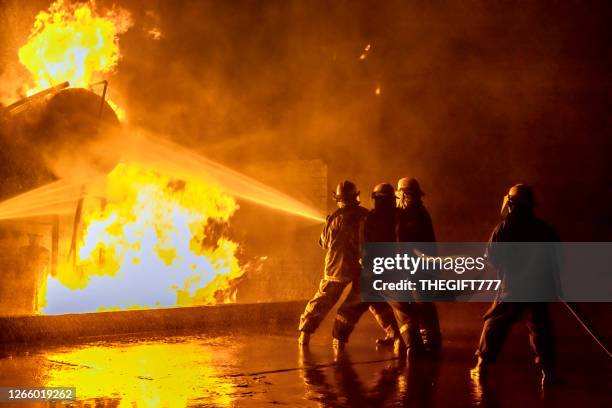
<point>171,372</point>
<point>254,369</point>
<point>395,382</point>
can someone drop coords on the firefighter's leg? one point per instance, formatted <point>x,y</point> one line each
<point>319,306</point>
<point>349,314</point>
<point>539,324</point>
<point>383,313</point>
<point>498,322</point>
<point>407,320</point>
<point>429,325</point>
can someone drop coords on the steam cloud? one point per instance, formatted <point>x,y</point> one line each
<point>472,96</point>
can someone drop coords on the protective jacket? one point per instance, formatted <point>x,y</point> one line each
<point>415,225</point>
<point>528,272</point>
<point>341,238</point>
<point>381,225</point>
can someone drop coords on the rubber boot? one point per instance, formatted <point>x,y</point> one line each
<point>480,371</point>
<point>413,342</point>
<point>338,345</point>
<point>548,378</point>
<point>386,341</point>
<point>304,339</point>
<point>432,341</point>
<point>399,348</point>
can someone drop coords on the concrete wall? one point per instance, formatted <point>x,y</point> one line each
<point>294,263</point>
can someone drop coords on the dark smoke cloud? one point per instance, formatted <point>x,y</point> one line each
<point>474,96</point>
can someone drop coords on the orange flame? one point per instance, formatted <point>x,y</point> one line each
<point>149,246</point>
<point>71,42</point>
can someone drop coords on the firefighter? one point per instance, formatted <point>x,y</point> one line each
<point>340,238</point>
<point>380,226</point>
<point>520,270</point>
<point>415,225</point>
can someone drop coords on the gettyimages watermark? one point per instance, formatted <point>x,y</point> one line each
<point>478,272</point>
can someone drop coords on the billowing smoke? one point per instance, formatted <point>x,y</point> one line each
<point>468,97</point>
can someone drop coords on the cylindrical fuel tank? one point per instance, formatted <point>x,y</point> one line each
<point>56,134</point>
<point>44,136</point>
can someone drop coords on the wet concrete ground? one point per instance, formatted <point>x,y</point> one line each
<point>264,369</point>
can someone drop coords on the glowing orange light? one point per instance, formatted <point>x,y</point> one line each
<point>155,33</point>
<point>148,247</point>
<point>72,42</point>
<point>364,54</point>
<point>144,374</point>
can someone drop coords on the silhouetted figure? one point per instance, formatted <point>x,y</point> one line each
<point>415,225</point>
<point>342,241</point>
<point>524,271</point>
<point>380,226</point>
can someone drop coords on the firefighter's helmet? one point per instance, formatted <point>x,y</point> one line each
<point>409,186</point>
<point>519,195</point>
<point>346,191</point>
<point>383,190</point>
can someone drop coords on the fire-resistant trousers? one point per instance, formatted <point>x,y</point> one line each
<point>502,316</point>
<point>429,324</point>
<point>323,301</point>
<point>352,309</point>
<point>327,296</point>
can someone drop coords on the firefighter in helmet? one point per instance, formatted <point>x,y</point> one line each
<point>415,226</point>
<point>342,241</point>
<point>523,270</point>
<point>340,238</point>
<point>380,226</point>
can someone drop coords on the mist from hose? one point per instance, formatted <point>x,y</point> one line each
<point>183,163</point>
<point>169,158</point>
<point>56,198</point>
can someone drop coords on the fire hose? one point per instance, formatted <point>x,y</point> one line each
<point>586,327</point>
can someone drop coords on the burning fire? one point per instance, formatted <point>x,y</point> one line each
<point>71,42</point>
<point>154,243</point>
<point>152,240</point>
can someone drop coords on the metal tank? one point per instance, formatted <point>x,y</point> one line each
<point>53,132</point>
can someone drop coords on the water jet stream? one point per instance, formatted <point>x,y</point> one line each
<point>184,163</point>
<point>60,197</point>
